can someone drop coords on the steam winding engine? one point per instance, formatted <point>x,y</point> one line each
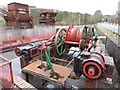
<point>90,59</point>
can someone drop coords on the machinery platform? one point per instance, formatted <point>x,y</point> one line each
<point>33,70</point>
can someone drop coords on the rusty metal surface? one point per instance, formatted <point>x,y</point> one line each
<point>47,18</point>
<point>18,16</point>
<point>17,6</point>
<point>32,69</point>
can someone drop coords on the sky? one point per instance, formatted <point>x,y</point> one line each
<point>107,7</point>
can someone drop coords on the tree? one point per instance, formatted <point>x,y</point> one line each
<point>98,16</point>
<point>113,18</point>
<point>86,18</point>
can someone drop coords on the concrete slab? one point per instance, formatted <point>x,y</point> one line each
<point>9,55</point>
<point>109,60</point>
<point>16,67</point>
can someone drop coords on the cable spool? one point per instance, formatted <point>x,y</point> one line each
<point>93,67</point>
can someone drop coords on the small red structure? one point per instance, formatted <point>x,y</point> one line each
<point>18,16</point>
<point>47,18</point>
<point>6,76</point>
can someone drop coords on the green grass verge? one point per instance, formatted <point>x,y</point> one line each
<point>100,41</point>
<point>115,36</point>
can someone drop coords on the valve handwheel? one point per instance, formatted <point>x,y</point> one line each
<point>59,41</point>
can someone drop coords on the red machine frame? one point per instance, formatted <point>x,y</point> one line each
<point>6,75</point>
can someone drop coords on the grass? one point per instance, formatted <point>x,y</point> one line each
<point>115,36</point>
<point>100,41</point>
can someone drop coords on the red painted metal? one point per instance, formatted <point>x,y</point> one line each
<point>74,36</point>
<point>71,34</point>
<point>101,60</point>
<point>92,76</point>
<point>6,76</point>
<point>4,59</point>
<point>17,51</point>
<point>57,74</point>
<point>79,35</point>
<point>88,32</point>
<point>91,72</point>
<point>95,60</point>
<point>15,38</point>
<point>34,54</point>
<point>74,43</point>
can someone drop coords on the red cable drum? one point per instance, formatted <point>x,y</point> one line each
<point>71,34</point>
<point>92,67</point>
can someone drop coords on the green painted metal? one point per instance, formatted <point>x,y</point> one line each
<point>41,57</point>
<point>59,39</point>
<point>55,76</point>
<point>41,60</point>
<point>84,33</point>
<point>47,53</point>
<point>92,33</point>
<point>60,47</point>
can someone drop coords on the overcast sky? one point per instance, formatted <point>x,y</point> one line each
<point>107,7</point>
